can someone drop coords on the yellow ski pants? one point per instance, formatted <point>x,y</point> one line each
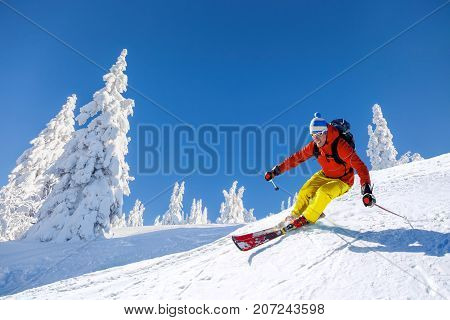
<point>316,194</point>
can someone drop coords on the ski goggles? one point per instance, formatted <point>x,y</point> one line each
<point>318,134</point>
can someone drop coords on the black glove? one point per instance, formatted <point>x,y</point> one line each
<point>276,171</point>
<point>368,198</point>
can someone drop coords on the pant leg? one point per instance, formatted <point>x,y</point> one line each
<point>327,192</point>
<point>307,192</point>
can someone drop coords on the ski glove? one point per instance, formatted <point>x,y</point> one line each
<point>272,173</point>
<point>368,198</point>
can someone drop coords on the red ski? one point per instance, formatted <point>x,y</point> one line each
<point>249,241</point>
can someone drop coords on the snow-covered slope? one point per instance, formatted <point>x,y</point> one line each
<point>354,253</point>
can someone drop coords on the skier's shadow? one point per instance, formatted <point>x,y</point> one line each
<point>264,248</point>
<point>431,243</point>
<point>260,250</point>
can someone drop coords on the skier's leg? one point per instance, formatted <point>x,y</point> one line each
<point>327,192</point>
<point>307,192</point>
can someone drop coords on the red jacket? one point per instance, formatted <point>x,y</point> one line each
<point>330,167</point>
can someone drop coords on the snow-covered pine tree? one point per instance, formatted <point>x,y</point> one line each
<point>289,204</point>
<point>198,214</point>
<point>232,209</point>
<point>409,157</point>
<point>172,208</point>
<point>248,215</point>
<point>136,216</point>
<point>93,175</point>
<point>180,202</point>
<point>119,222</point>
<point>193,212</point>
<point>175,214</point>
<point>381,150</point>
<point>205,216</point>
<point>30,182</point>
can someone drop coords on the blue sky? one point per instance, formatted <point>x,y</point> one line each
<point>229,62</point>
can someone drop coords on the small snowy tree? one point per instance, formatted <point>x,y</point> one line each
<point>248,215</point>
<point>232,209</point>
<point>408,157</point>
<point>175,214</point>
<point>198,214</point>
<point>136,216</point>
<point>93,175</point>
<point>381,150</point>
<point>193,213</point>
<point>30,182</point>
<point>289,204</point>
<point>118,222</point>
<point>205,216</point>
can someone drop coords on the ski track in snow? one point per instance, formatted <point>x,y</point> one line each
<point>353,253</point>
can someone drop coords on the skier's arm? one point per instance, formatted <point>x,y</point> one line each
<point>300,156</point>
<point>349,156</point>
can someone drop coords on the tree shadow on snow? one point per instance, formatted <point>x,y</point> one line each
<point>25,264</point>
<point>431,243</point>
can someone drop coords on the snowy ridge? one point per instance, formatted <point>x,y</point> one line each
<point>354,253</point>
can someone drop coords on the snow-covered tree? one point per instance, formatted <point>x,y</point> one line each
<point>30,182</point>
<point>409,157</point>
<point>198,214</point>
<point>175,214</point>
<point>248,215</point>
<point>232,209</point>
<point>289,204</point>
<point>193,215</point>
<point>92,172</point>
<point>205,216</point>
<point>136,216</point>
<point>381,150</point>
<point>118,222</point>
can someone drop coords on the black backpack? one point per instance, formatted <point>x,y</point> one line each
<point>343,127</point>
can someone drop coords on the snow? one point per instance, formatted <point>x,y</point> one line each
<point>353,253</point>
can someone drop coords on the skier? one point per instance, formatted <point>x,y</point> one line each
<point>337,157</point>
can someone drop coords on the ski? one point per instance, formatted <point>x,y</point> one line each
<point>249,241</point>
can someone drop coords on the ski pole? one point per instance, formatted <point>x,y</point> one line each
<point>274,185</point>
<point>406,219</point>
